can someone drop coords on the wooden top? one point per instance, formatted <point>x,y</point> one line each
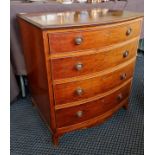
<point>97,16</point>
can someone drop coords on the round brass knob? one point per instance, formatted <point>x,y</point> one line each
<point>79,113</point>
<point>78,66</point>
<point>78,40</point>
<point>125,54</point>
<point>123,76</point>
<point>119,97</point>
<point>128,32</point>
<point>79,91</point>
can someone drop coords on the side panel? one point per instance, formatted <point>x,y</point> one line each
<point>34,52</point>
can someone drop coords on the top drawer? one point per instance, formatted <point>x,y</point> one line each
<point>93,37</point>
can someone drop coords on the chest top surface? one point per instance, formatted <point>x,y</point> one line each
<point>97,16</point>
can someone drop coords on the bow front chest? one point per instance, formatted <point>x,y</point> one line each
<point>80,64</point>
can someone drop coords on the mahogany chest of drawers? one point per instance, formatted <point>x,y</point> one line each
<point>80,64</point>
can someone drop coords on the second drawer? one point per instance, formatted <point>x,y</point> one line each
<point>78,90</point>
<point>86,64</point>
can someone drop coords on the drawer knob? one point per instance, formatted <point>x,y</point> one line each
<point>79,113</point>
<point>126,53</point>
<point>119,97</point>
<point>78,40</point>
<point>128,32</point>
<point>123,76</point>
<point>78,66</point>
<point>79,91</point>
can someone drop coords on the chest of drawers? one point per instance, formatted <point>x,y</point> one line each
<point>80,64</point>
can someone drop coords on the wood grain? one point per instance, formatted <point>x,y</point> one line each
<point>94,121</point>
<point>92,38</point>
<point>92,75</point>
<point>93,98</point>
<point>96,62</point>
<point>52,53</point>
<point>78,18</point>
<point>94,51</point>
<point>66,92</point>
<point>35,65</point>
<point>70,116</point>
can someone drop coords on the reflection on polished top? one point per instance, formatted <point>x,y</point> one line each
<point>78,18</point>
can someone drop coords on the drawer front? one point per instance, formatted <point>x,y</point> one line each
<point>80,113</point>
<point>86,64</point>
<point>75,91</point>
<point>74,40</point>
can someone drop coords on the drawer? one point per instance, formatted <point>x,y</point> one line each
<point>91,38</point>
<point>86,111</point>
<point>86,64</point>
<point>82,89</point>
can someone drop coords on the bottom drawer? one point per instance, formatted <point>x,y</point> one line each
<point>83,112</point>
